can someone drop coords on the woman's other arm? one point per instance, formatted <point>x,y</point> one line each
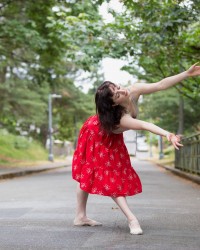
<point>130,123</point>
<point>147,88</point>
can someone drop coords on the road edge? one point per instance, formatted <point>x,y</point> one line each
<point>180,173</point>
<point>29,171</point>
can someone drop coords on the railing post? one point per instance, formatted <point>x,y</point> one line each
<point>187,158</point>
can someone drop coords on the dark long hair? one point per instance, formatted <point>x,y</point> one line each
<point>109,116</point>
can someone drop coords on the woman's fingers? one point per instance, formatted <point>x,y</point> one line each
<point>179,137</point>
<point>175,145</point>
<point>175,139</point>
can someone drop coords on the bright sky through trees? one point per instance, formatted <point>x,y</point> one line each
<point>110,67</point>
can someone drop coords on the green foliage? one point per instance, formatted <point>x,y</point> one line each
<point>169,151</point>
<point>42,47</point>
<point>163,108</point>
<point>162,40</point>
<point>19,148</point>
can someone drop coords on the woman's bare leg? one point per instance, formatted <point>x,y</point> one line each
<point>82,197</point>
<point>122,203</point>
<point>133,222</point>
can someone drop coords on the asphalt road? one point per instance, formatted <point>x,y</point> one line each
<point>37,212</point>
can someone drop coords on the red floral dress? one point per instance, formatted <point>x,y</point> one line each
<point>101,163</point>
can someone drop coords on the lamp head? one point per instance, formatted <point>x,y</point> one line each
<point>56,96</point>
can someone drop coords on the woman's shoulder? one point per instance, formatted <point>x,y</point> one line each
<point>134,91</point>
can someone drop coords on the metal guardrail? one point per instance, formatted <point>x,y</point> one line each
<point>187,158</point>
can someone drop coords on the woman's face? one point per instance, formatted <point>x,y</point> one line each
<point>120,95</point>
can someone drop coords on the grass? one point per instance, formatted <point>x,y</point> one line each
<point>169,156</point>
<point>16,151</point>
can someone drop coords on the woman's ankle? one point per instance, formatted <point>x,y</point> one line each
<point>80,217</point>
<point>132,219</point>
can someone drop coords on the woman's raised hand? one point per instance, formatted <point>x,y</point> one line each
<point>175,139</point>
<point>194,70</point>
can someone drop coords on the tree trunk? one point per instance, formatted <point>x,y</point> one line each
<point>44,130</point>
<point>3,75</point>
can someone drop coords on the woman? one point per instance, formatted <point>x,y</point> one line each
<point>101,164</point>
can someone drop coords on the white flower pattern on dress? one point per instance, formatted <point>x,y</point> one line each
<point>115,172</point>
<point>115,150</point>
<point>112,157</point>
<point>119,164</point>
<point>99,155</point>
<point>94,190</point>
<point>89,170</point>
<point>108,163</point>
<point>121,155</point>
<point>123,180</point>
<point>124,171</point>
<point>101,132</point>
<point>106,187</point>
<point>119,142</point>
<point>77,176</point>
<point>100,177</point>
<point>92,132</point>
<point>136,191</point>
<point>130,177</point>
<point>83,185</point>
<point>82,161</point>
<point>106,172</point>
<point>94,159</point>
<point>112,179</point>
<point>114,194</point>
<point>75,167</point>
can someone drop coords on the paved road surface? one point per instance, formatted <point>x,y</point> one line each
<point>37,211</point>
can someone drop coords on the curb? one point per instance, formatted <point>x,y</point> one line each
<point>31,171</point>
<point>182,174</point>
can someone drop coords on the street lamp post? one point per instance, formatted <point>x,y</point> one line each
<point>161,155</point>
<point>76,132</point>
<point>51,157</point>
<point>181,108</point>
<point>150,135</point>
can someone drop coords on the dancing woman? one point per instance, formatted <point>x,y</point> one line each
<point>101,164</point>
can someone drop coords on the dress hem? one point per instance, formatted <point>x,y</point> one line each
<point>90,192</point>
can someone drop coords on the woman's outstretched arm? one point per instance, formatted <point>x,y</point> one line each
<point>147,88</point>
<point>130,123</point>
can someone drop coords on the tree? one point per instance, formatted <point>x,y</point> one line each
<point>163,108</point>
<point>161,38</point>
<point>42,45</point>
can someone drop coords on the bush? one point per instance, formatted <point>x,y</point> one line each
<point>20,148</point>
<point>168,151</point>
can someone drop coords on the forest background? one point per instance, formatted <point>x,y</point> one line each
<point>45,44</point>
